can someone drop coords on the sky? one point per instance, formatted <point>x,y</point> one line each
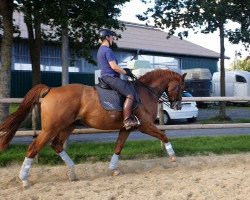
<point>210,41</point>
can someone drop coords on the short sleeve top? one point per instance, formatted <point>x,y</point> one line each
<point>104,56</point>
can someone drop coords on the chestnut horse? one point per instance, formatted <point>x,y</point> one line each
<point>61,107</point>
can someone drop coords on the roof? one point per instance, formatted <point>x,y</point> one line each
<point>149,39</point>
<point>144,38</point>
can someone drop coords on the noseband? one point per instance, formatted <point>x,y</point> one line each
<point>165,97</point>
<point>179,92</point>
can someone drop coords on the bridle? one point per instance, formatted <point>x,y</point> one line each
<point>161,97</point>
<point>179,90</point>
<point>165,99</point>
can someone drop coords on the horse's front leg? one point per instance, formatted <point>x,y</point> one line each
<point>113,165</point>
<point>57,145</point>
<point>151,129</point>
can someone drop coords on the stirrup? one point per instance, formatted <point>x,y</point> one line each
<point>131,123</point>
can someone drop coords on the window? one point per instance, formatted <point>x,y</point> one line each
<point>163,62</point>
<point>240,79</point>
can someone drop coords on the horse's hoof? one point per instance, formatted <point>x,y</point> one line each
<point>173,159</point>
<point>116,172</point>
<point>71,175</point>
<point>26,184</point>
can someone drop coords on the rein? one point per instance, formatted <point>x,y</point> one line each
<point>161,97</point>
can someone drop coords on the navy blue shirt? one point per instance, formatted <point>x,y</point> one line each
<point>104,56</point>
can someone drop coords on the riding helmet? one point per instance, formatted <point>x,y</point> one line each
<point>103,33</point>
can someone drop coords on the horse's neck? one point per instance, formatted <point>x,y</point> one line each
<point>158,86</point>
<point>153,89</point>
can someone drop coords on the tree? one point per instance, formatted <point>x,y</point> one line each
<point>34,16</point>
<point>241,15</point>
<point>74,23</point>
<point>205,16</point>
<point>6,11</point>
<point>83,20</point>
<point>243,64</point>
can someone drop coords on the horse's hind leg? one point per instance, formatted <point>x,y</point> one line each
<point>42,139</point>
<point>113,165</point>
<point>57,145</point>
<point>150,129</point>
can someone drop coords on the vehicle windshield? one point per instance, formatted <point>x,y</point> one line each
<point>186,94</point>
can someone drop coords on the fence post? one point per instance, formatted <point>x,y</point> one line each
<point>160,111</point>
<point>161,122</point>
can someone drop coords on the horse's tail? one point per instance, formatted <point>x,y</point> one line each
<point>10,125</point>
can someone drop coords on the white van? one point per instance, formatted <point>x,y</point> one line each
<point>237,83</point>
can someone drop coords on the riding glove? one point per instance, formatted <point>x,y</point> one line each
<point>129,73</point>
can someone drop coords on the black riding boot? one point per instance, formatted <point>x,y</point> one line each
<point>129,121</point>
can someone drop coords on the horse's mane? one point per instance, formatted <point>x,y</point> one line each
<point>157,74</point>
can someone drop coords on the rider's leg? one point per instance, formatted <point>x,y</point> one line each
<point>127,90</point>
<point>127,111</point>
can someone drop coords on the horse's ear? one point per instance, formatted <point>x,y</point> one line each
<point>183,76</point>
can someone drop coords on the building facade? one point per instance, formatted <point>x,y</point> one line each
<point>137,42</point>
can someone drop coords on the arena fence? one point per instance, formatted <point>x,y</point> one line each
<point>161,127</point>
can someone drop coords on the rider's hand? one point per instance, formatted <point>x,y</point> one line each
<point>129,73</point>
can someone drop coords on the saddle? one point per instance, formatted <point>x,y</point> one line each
<point>110,99</point>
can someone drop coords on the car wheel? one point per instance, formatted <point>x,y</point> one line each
<point>193,119</point>
<point>166,118</point>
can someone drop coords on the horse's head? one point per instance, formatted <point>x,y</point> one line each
<point>174,91</point>
<point>166,81</point>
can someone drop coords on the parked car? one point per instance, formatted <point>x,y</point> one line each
<point>188,111</point>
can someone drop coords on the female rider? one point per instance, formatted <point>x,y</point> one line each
<point>110,74</point>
